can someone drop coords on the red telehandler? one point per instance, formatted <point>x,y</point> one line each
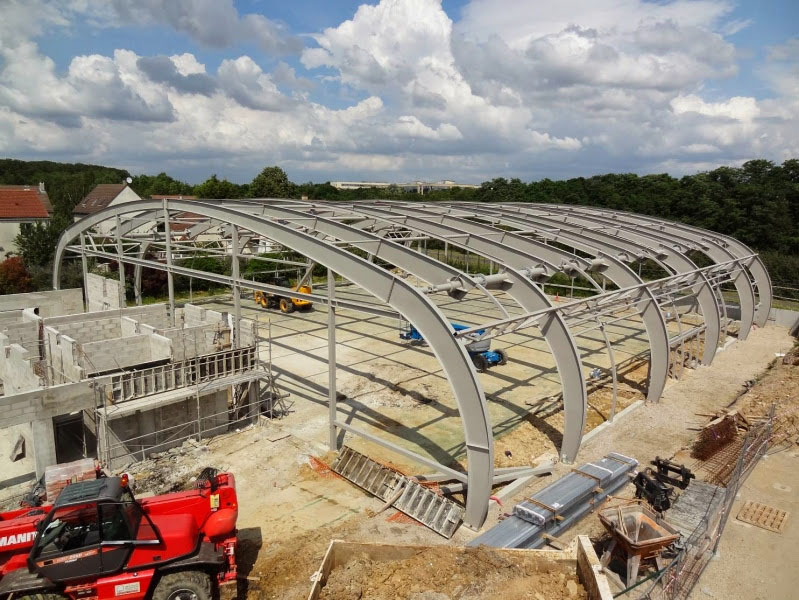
<point>97,542</point>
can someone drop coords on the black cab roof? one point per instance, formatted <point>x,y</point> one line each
<point>107,489</point>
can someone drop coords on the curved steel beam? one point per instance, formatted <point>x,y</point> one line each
<point>531,298</point>
<point>711,248</point>
<point>614,269</point>
<point>400,295</point>
<point>755,265</point>
<point>415,263</point>
<point>634,243</point>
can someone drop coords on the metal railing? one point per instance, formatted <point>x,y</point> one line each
<point>130,385</point>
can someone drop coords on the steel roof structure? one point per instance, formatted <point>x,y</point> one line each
<point>526,244</point>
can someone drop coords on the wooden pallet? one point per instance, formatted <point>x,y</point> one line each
<point>764,516</point>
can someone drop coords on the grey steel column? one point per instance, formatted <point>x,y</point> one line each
<point>143,247</point>
<point>84,269</point>
<point>234,270</point>
<point>120,267</point>
<point>331,360</point>
<point>169,277</point>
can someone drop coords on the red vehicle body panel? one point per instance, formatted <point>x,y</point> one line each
<point>183,521</point>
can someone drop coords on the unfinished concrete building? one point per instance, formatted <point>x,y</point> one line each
<point>564,281</point>
<point>116,383</point>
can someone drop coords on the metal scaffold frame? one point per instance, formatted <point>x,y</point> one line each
<point>524,244</point>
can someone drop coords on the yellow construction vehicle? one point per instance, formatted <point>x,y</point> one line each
<point>286,304</point>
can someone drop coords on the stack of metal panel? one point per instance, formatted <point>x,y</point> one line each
<point>561,504</point>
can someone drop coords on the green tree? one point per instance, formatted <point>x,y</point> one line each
<point>272,182</point>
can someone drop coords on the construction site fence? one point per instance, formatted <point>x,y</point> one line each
<point>679,577</point>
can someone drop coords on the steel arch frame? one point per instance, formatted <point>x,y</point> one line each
<point>762,280</point>
<point>713,248</point>
<point>615,270</point>
<point>530,297</point>
<point>316,229</point>
<point>401,296</point>
<point>676,262</point>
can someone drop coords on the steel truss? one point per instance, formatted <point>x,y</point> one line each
<point>527,243</point>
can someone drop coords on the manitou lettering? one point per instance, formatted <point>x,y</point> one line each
<point>20,538</point>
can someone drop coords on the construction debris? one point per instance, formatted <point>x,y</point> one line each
<point>721,430</point>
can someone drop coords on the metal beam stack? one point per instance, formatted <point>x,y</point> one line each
<point>561,504</point>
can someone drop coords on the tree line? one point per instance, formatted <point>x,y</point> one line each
<point>757,203</point>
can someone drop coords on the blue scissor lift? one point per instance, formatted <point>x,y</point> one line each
<point>479,350</point>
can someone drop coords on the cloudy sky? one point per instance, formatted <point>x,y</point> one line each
<point>400,89</point>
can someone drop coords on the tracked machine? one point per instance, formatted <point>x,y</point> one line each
<point>98,542</point>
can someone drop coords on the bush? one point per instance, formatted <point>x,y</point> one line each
<point>14,277</point>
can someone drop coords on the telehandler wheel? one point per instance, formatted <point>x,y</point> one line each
<point>286,306</point>
<point>263,302</point>
<point>503,357</point>
<point>184,585</point>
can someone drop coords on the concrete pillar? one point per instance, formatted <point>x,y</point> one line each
<point>43,435</point>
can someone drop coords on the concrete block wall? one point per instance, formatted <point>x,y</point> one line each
<point>16,370</point>
<point>92,326</point>
<point>10,316</point>
<point>155,315</point>
<point>124,352</point>
<point>63,356</point>
<point>91,330</point>
<point>49,304</point>
<point>20,470</point>
<point>189,342</point>
<point>102,293</point>
<point>24,333</point>
<point>165,427</point>
<point>37,408</point>
<point>196,315</point>
<point>129,326</point>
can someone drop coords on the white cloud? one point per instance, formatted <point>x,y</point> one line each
<point>514,89</point>
<point>214,23</point>
<point>737,108</point>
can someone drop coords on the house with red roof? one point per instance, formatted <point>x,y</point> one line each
<point>20,204</point>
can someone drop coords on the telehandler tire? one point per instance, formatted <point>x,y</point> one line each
<point>183,585</point>
<point>43,596</point>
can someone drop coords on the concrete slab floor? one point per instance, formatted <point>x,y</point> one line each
<point>398,391</point>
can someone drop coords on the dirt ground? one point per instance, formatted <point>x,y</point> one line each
<point>292,506</point>
<point>444,573</point>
